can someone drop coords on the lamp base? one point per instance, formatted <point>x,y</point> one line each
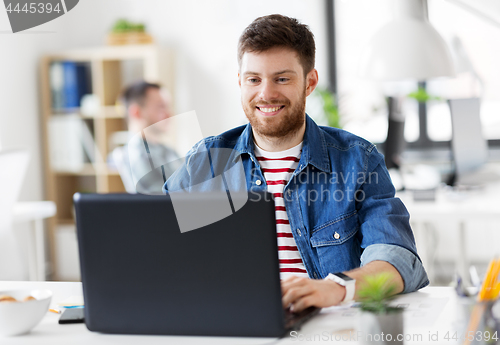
<point>395,142</point>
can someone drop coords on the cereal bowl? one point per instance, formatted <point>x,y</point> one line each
<point>20,317</point>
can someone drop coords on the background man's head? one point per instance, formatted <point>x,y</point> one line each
<point>276,74</point>
<point>146,104</point>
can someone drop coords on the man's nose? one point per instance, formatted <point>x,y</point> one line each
<point>268,91</point>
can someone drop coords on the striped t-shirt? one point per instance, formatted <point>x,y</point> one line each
<point>278,167</point>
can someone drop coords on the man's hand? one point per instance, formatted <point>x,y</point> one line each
<point>301,293</point>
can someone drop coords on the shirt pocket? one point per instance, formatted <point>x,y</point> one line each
<point>336,231</point>
<point>335,244</point>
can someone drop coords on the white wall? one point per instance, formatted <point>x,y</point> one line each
<point>19,124</point>
<point>19,95</point>
<point>203,33</point>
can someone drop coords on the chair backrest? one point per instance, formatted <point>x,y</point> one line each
<point>13,166</point>
<point>469,147</point>
<point>120,159</point>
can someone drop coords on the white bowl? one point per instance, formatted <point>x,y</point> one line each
<point>20,317</point>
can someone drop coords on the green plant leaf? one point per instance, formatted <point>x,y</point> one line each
<point>139,27</point>
<point>123,25</point>
<point>422,96</point>
<point>376,292</point>
<point>330,107</point>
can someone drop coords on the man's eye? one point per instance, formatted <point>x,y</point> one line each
<point>253,80</point>
<point>282,80</point>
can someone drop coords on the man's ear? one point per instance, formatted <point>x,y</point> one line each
<point>311,81</point>
<point>134,111</point>
<point>239,80</point>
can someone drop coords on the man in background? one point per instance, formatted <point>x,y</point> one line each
<point>147,106</point>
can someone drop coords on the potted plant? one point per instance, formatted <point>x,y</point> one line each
<point>126,32</point>
<point>330,107</point>
<point>380,323</point>
<point>322,107</point>
<point>422,96</point>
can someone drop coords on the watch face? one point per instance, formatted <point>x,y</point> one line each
<point>343,276</point>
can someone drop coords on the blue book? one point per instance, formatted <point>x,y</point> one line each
<point>70,88</point>
<point>83,80</point>
<point>76,83</point>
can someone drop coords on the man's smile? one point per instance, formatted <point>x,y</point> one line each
<point>269,110</point>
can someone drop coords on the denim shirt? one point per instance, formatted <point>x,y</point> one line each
<point>340,201</point>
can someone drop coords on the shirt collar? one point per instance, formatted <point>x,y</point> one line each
<point>314,150</point>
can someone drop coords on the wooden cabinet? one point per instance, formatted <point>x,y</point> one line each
<point>110,69</point>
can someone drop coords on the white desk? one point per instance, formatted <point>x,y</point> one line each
<point>457,209</point>
<point>35,212</point>
<point>431,310</point>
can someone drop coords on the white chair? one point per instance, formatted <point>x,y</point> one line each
<point>13,166</point>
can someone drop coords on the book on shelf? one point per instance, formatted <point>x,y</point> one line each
<point>71,143</point>
<point>69,82</point>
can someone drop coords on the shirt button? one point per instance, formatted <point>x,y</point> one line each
<point>299,232</point>
<point>258,182</point>
<point>315,275</point>
<point>289,192</point>
<point>336,235</point>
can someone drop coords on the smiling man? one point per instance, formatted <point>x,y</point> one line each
<point>274,88</point>
<point>337,219</point>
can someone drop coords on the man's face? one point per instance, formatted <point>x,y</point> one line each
<point>156,107</point>
<point>274,91</point>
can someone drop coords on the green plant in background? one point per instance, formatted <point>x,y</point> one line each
<point>376,292</point>
<point>123,26</point>
<point>422,96</point>
<point>330,107</point>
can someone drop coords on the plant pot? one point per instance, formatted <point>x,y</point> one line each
<point>381,328</point>
<point>129,38</point>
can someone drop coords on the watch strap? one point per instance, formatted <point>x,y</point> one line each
<point>346,281</point>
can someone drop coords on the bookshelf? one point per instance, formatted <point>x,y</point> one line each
<point>109,68</point>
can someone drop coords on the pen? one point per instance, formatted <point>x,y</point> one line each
<point>495,284</point>
<point>490,287</point>
<point>55,311</point>
<point>475,318</point>
<point>489,292</point>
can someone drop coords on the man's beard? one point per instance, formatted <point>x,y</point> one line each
<point>282,126</point>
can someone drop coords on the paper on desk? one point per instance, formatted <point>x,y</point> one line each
<point>337,308</point>
<point>72,301</point>
<point>420,311</point>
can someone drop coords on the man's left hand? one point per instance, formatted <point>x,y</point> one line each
<point>301,293</point>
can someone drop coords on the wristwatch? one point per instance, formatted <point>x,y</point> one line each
<point>344,280</point>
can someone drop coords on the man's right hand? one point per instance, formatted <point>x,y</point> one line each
<point>301,293</point>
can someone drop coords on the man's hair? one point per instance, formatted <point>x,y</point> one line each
<point>276,30</point>
<point>136,92</point>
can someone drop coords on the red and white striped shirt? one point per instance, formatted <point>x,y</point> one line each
<point>278,167</point>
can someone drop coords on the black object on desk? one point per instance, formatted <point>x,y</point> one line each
<point>141,275</point>
<point>72,315</point>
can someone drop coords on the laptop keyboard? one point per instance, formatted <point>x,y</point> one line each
<point>296,320</point>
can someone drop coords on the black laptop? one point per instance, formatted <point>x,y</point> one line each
<point>142,275</point>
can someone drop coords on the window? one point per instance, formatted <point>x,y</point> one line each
<point>476,50</point>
